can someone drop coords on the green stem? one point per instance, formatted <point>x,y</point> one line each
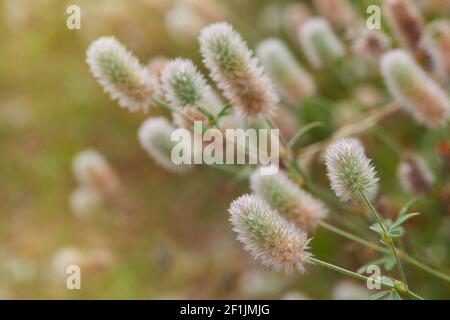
<point>380,249</point>
<point>358,276</point>
<point>425,267</point>
<point>385,235</point>
<point>352,237</point>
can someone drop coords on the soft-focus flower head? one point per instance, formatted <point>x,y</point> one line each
<point>92,170</point>
<point>121,75</point>
<point>339,12</point>
<point>414,174</point>
<point>155,137</point>
<point>84,201</point>
<point>370,43</point>
<point>320,44</point>
<point>183,22</point>
<point>414,89</point>
<point>440,31</point>
<point>291,202</point>
<point>270,238</point>
<point>235,70</point>
<point>349,170</point>
<point>407,22</point>
<point>291,80</point>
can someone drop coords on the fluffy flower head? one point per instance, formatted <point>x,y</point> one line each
<point>235,70</point>
<point>349,170</point>
<point>268,236</point>
<point>120,74</point>
<point>414,89</point>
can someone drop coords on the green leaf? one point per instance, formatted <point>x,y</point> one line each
<point>377,228</point>
<point>300,133</point>
<point>379,295</point>
<point>225,110</point>
<point>394,295</point>
<point>406,206</point>
<point>402,219</point>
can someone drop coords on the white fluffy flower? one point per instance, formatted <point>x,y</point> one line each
<point>320,44</point>
<point>349,170</point>
<point>155,137</point>
<point>269,237</point>
<point>292,81</point>
<point>184,86</point>
<point>285,196</point>
<point>93,171</point>
<point>121,75</point>
<point>414,89</point>
<point>235,70</point>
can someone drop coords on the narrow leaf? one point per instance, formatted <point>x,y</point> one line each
<point>376,227</point>
<point>300,133</point>
<point>402,219</point>
<point>406,206</point>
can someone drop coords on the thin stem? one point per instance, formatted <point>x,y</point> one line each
<point>358,276</point>
<point>352,237</point>
<point>342,270</point>
<point>424,267</point>
<point>402,254</point>
<point>385,235</point>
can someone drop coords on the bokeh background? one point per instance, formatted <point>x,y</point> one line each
<point>165,236</point>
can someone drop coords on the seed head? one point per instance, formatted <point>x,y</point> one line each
<point>414,89</point>
<point>235,70</point>
<point>349,170</point>
<point>155,137</point>
<point>284,195</point>
<point>121,75</point>
<point>268,236</point>
<point>291,80</point>
<point>319,42</point>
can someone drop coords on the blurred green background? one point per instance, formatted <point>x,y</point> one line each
<point>167,236</point>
